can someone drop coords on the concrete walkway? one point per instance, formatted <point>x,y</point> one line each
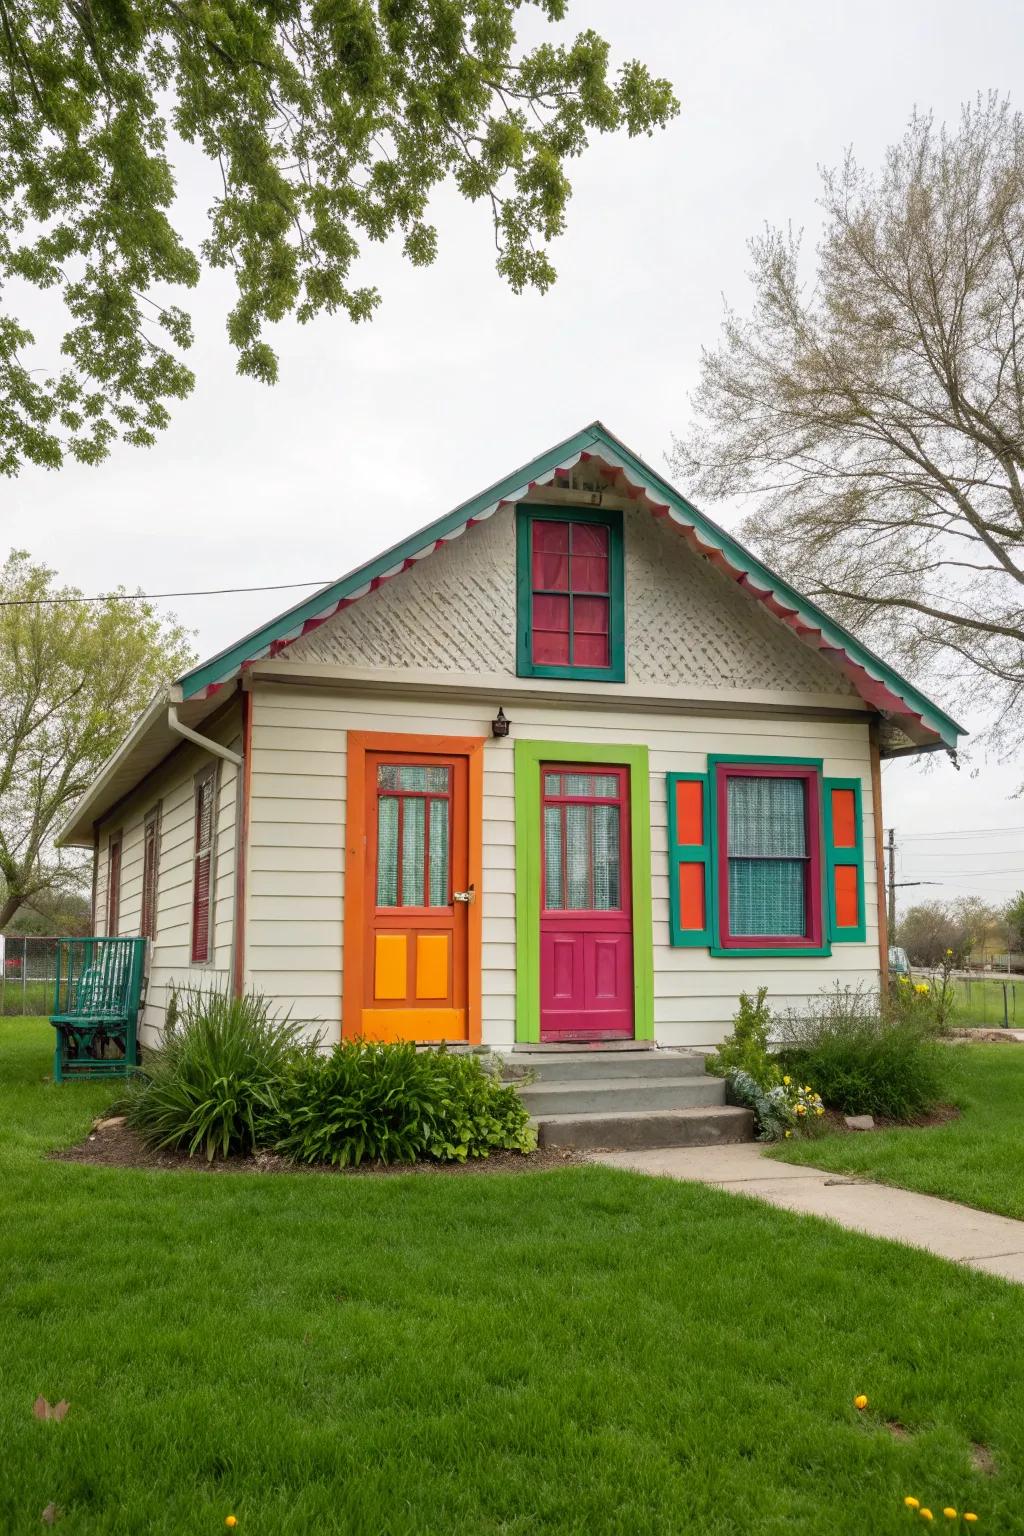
<point>956,1232</point>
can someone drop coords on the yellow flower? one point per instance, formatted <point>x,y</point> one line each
<point>920,986</point>
<point>925,1514</point>
<point>230,1521</point>
<point>949,952</point>
<point>969,1516</point>
<point>911,1502</point>
<point>820,1109</point>
<point>801,1110</point>
<point>860,1401</point>
<point>949,1512</point>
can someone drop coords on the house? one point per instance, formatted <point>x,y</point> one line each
<point>568,764</point>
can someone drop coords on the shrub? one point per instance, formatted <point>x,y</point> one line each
<point>864,1062</point>
<point>746,1049</point>
<point>780,1111</point>
<point>932,1003</point>
<point>369,1102</point>
<point>214,1080</point>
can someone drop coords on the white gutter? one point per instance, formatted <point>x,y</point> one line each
<point>205,742</point>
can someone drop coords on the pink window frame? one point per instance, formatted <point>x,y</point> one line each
<point>813,904</point>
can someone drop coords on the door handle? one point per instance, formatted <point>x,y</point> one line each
<point>469,895</point>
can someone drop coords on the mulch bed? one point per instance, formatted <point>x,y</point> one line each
<point>118,1146</point>
<point>942,1114</point>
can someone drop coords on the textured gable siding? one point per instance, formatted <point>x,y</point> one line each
<point>297,864</point>
<point>686,623</point>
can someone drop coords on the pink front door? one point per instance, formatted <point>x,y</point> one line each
<point>586,929</point>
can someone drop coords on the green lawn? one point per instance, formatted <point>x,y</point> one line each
<point>976,1159</point>
<point>577,1351</point>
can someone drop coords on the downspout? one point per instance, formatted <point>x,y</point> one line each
<point>216,750</point>
<point>242,848</point>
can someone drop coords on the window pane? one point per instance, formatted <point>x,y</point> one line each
<point>413,850</point>
<point>550,562</point>
<point>589,558</point>
<point>591,784</point>
<point>412,776</point>
<point>590,539</point>
<point>438,778</point>
<point>551,631</point>
<point>607,896</point>
<point>438,853</point>
<point>577,857</point>
<point>552,783</point>
<point>590,631</point>
<point>767,817</point>
<point>387,852</point>
<point>553,897</point>
<point>766,896</point>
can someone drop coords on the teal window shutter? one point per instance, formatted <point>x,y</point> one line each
<point>844,860</point>
<point>689,859</point>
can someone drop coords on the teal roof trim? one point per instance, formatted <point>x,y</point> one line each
<point>591,439</point>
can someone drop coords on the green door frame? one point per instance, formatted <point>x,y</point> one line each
<point>528,757</point>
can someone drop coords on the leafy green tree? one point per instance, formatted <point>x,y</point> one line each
<point>72,678</point>
<point>326,125</point>
<point>1013,916</point>
<point>870,406</point>
<point>50,912</point>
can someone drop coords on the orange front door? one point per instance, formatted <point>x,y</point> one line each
<point>417,897</point>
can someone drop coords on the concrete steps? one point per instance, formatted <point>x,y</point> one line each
<point>626,1098</point>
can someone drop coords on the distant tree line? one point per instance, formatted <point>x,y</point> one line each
<point>973,929</point>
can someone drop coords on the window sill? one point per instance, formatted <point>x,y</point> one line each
<point>770,951</point>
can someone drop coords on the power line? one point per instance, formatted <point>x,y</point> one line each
<point>936,837</point>
<point>148,597</point>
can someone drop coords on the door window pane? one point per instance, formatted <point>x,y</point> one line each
<point>413,840</point>
<point>387,851</point>
<point>553,894</point>
<point>438,883</point>
<point>607,862</point>
<point>577,857</point>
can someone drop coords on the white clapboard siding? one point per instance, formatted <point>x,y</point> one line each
<point>297,856</point>
<point>172,787</point>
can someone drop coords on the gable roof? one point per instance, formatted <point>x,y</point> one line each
<point>874,680</point>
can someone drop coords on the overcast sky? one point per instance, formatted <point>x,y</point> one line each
<point>375,430</point>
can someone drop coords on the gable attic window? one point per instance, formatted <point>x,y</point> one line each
<point>202,866</point>
<point>569,593</point>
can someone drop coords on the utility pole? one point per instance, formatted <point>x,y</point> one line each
<point>891,848</point>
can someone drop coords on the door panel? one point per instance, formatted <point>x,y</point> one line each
<point>586,966</point>
<point>416,931</point>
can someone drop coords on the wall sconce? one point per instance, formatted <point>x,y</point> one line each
<point>500,724</point>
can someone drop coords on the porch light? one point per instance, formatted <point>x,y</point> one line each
<point>500,724</point>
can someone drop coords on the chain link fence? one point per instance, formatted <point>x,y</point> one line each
<point>28,969</point>
<point>994,1000</point>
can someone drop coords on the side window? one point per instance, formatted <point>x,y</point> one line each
<point>769,863</point>
<point>150,872</point>
<point>113,884</point>
<point>569,593</point>
<point>202,866</point>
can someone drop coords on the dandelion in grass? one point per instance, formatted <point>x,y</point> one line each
<point>949,1512</point>
<point>860,1401</point>
<point>969,1517</point>
<point>230,1521</point>
<point>926,1514</point>
<point>911,1502</point>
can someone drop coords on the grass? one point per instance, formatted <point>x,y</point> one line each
<point>980,1000</point>
<point>577,1351</point>
<point>976,1159</point>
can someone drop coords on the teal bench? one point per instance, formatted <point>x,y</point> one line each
<point>96,1002</point>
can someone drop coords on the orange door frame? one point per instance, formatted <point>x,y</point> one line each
<point>352,969</point>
